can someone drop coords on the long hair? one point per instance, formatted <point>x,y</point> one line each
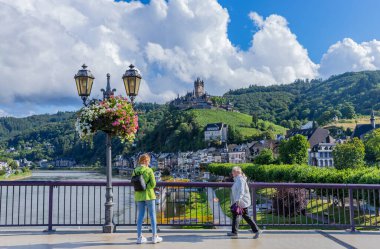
<point>238,170</point>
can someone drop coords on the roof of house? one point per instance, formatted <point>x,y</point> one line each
<point>314,135</point>
<point>362,129</point>
<point>215,126</point>
<point>264,143</point>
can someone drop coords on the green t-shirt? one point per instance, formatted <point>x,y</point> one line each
<point>150,180</point>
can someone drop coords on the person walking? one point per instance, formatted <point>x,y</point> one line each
<point>144,182</point>
<point>240,201</point>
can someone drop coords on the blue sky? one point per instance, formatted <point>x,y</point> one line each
<point>317,23</point>
<point>228,43</point>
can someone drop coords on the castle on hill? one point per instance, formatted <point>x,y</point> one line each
<point>198,99</point>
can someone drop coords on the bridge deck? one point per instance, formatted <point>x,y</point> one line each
<point>174,239</point>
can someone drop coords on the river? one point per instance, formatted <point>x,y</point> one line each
<point>28,205</point>
<point>58,175</point>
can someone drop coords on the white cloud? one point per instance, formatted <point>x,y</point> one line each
<point>43,43</point>
<point>347,55</point>
<point>4,113</point>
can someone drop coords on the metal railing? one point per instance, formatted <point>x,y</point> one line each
<point>81,203</point>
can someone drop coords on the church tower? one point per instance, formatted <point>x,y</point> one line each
<point>373,120</point>
<point>199,88</point>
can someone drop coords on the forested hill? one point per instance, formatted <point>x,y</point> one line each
<point>342,95</point>
<point>162,129</point>
<point>49,136</point>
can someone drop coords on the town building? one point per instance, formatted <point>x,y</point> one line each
<point>121,162</point>
<point>165,160</point>
<point>321,154</point>
<point>64,163</point>
<point>24,162</point>
<point>362,129</point>
<point>43,163</point>
<point>216,132</point>
<point>256,147</point>
<point>3,165</point>
<point>238,153</point>
<point>314,135</point>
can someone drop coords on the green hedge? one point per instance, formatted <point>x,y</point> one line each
<point>300,173</point>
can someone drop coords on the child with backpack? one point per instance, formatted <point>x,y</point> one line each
<point>144,183</point>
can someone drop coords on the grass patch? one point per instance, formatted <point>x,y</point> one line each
<point>15,177</point>
<point>193,210</point>
<point>242,122</point>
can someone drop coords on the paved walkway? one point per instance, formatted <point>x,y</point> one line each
<point>194,239</point>
<point>219,216</point>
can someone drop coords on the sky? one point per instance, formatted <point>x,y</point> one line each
<point>228,43</point>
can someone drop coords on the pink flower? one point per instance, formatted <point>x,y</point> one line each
<point>116,123</point>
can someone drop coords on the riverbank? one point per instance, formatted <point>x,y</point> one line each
<point>14,177</point>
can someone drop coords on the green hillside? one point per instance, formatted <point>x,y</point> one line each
<point>242,122</point>
<point>184,130</point>
<point>342,95</point>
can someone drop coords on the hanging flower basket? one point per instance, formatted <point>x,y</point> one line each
<point>114,116</point>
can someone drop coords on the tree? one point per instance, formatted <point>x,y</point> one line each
<point>348,110</point>
<point>234,136</point>
<point>265,157</point>
<point>294,150</point>
<point>255,120</point>
<point>13,164</point>
<point>349,155</point>
<point>372,146</point>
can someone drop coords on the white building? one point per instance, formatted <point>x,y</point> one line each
<point>3,165</point>
<point>121,161</point>
<point>216,132</point>
<point>321,155</point>
<point>238,153</point>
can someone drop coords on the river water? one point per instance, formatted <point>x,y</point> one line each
<point>55,175</point>
<point>29,205</point>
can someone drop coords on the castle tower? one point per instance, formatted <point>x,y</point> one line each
<point>373,120</point>
<point>199,88</point>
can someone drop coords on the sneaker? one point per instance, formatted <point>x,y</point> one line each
<point>156,239</point>
<point>257,234</point>
<point>232,235</point>
<point>141,240</point>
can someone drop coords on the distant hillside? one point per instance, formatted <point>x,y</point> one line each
<point>242,122</point>
<point>183,130</point>
<point>161,129</point>
<point>351,123</point>
<point>342,95</point>
<point>50,136</point>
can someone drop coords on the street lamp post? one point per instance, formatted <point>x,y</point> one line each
<point>84,81</point>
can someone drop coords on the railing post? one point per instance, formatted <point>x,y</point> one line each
<point>352,220</point>
<point>50,217</point>
<point>253,189</point>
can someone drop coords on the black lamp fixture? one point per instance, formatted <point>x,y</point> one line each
<point>84,81</point>
<point>132,80</point>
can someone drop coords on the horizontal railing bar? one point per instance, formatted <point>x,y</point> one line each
<point>193,184</point>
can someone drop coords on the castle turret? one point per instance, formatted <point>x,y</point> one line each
<point>199,88</point>
<point>373,120</point>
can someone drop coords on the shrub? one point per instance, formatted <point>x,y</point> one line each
<point>289,202</point>
<point>265,157</point>
<point>300,173</point>
<point>25,169</point>
<point>349,155</point>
